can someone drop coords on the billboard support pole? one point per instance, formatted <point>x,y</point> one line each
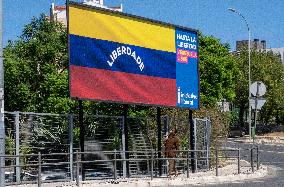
<point>82,136</point>
<point>192,141</point>
<point>159,139</point>
<point>125,110</point>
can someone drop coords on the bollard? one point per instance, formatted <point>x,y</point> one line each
<point>187,164</point>
<point>114,165</point>
<point>152,164</point>
<point>39,170</point>
<point>77,169</point>
<point>257,158</point>
<point>251,160</point>
<point>239,161</point>
<point>217,161</point>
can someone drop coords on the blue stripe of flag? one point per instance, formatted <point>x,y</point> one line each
<point>95,53</point>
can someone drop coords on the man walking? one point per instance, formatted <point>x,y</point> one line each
<point>171,147</point>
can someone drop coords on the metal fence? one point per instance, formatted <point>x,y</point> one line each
<point>48,134</point>
<point>114,159</point>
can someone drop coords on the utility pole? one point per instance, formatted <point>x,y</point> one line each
<point>2,125</point>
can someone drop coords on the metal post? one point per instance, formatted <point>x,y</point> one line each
<point>114,165</point>
<point>39,170</point>
<point>257,158</point>
<point>123,148</point>
<point>77,169</point>
<point>239,161</point>
<point>251,160</point>
<point>187,164</point>
<point>208,146</point>
<point>2,181</point>
<point>217,161</point>
<point>2,123</point>
<point>82,136</point>
<point>70,132</point>
<point>148,161</point>
<point>159,129</point>
<point>152,164</point>
<point>17,142</point>
<point>166,125</point>
<point>249,84</point>
<point>192,141</point>
<point>207,142</point>
<point>125,110</point>
<point>249,62</point>
<point>255,110</point>
<point>166,133</point>
<point>195,143</point>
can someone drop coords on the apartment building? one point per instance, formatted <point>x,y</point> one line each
<point>256,44</point>
<point>58,13</point>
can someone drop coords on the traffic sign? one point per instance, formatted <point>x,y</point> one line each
<point>259,87</point>
<point>260,102</point>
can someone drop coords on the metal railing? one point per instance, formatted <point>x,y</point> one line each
<point>114,158</point>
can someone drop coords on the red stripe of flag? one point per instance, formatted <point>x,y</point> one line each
<point>105,85</point>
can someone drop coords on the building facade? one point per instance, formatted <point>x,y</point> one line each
<point>256,44</point>
<point>58,13</point>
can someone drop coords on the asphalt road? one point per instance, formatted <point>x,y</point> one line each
<point>271,155</point>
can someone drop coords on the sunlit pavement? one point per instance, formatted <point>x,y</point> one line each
<point>271,154</point>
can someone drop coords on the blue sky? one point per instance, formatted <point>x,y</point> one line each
<point>211,17</point>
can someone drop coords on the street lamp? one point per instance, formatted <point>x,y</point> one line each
<point>249,114</point>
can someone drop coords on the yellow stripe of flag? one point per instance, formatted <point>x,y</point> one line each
<point>97,24</point>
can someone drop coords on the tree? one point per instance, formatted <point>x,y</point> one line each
<point>218,71</point>
<point>265,67</point>
<point>36,77</point>
<point>269,69</point>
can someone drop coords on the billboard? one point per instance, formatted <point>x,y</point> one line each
<point>117,57</point>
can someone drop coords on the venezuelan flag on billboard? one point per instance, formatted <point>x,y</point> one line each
<point>117,57</point>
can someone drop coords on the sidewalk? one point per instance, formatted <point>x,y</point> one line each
<point>263,140</point>
<point>226,174</point>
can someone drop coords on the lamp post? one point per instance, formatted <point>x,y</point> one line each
<point>249,81</point>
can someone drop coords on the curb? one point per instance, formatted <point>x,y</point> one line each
<point>263,140</point>
<point>161,182</point>
<point>183,181</point>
